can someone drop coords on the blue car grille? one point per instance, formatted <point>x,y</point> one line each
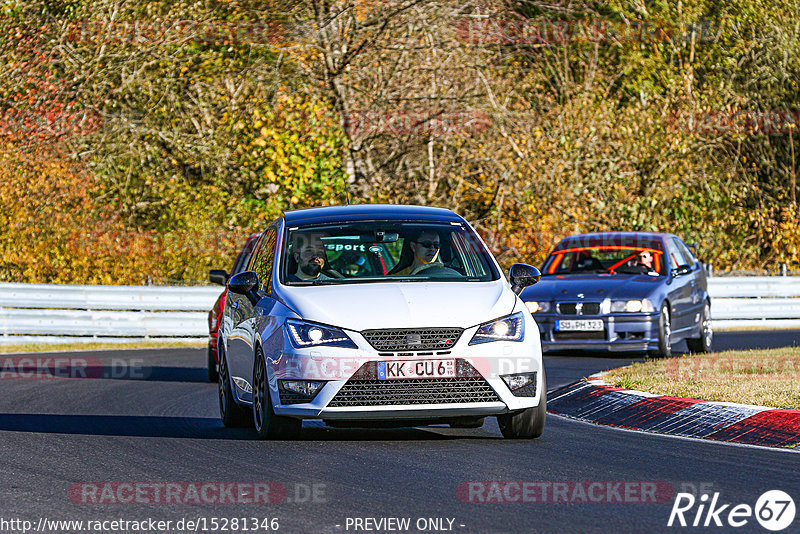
<point>560,336</point>
<point>578,308</point>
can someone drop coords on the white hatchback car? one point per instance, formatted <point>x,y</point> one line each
<point>378,316</point>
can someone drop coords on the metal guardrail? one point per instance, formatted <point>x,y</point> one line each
<point>755,301</point>
<point>40,313</point>
<point>43,313</point>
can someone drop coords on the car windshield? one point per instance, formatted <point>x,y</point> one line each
<point>607,260</point>
<point>384,251</point>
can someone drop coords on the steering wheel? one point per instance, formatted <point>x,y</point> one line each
<point>333,273</point>
<point>633,267</point>
<point>436,270</point>
<point>589,264</point>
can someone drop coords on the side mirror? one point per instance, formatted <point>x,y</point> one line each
<point>683,269</point>
<point>523,275</point>
<point>245,284</point>
<point>218,276</point>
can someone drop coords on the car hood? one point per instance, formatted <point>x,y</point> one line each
<point>402,304</point>
<point>593,287</point>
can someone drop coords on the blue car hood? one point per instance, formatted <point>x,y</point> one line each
<point>593,287</point>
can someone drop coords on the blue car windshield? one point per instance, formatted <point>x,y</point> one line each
<point>607,260</point>
<point>385,251</point>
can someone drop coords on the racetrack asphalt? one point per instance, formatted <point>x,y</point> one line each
<point>60,435</point>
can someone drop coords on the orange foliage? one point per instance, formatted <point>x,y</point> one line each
<point>54,228</point>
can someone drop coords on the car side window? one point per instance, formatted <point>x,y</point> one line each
<point>675,254</point>
<point>244,256</point>
<point>464,257</point>
<point>687,252</point>
<point>264,260</point>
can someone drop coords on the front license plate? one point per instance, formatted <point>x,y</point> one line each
<point>591,325</point>
<point>416,369</point>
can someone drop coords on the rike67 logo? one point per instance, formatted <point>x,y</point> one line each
<point>774,510</point>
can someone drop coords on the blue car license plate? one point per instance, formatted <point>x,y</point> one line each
<point>585,325</point>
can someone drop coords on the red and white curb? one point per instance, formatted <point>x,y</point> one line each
<point>599,402</point>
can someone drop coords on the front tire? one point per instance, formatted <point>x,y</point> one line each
<point>213,373</point>
<point>664,349</point>
<point>706,339</point>
<point>528,423</point>
<point>268,425</point>
<point>230,412</point>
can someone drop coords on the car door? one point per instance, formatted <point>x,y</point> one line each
<point>680,288</point>
<point>698,282</point>
<point>241,340</point>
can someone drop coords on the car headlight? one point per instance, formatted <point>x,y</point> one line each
<point>538,306</point>
<point>632,306</point>
<point>509,328</point>
<point>304,335</point>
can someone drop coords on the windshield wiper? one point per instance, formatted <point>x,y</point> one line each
<point>312,282</point>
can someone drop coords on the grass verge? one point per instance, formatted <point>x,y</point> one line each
<point>761,377</point>
<point>65,347</point>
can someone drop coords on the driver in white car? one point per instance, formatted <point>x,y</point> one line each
<point>425,249</point>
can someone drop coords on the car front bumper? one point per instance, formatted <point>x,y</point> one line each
<point>342,368</point>
<point>319,407</point>
<point>630,332</point>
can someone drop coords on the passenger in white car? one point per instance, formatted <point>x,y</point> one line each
<point>308,251</point>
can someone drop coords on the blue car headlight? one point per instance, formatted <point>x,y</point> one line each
<point>538,306</point>
<point>632,306</point>
<point>511,328</point>
<point>304,335</point>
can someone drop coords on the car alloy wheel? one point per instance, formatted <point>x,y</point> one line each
<point>706,339</point>
<point>268,425</point>
<point>230,412</point>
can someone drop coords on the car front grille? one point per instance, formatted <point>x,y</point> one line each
<point>290,397</point>
<point>365,389</point>
<point>561,336</point>
<point>578,308</point>
<point>414,391</point>
<point>395,340</point>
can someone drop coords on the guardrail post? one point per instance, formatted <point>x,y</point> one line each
<point>783,269</point>
<point>709,270</point>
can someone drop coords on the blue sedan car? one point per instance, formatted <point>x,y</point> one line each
<point>622,291</point>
